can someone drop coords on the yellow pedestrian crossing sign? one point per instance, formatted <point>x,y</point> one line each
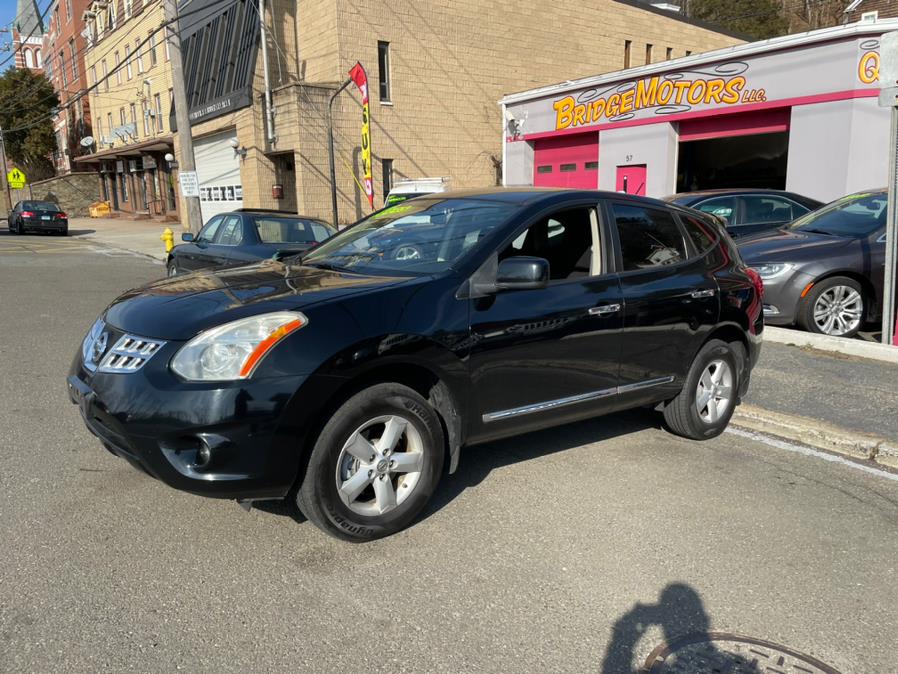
<point>16,179</point>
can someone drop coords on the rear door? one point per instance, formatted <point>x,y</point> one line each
<point>764,212</point>
<point>670,298</point>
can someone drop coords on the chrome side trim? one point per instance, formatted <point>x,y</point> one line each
<point>648,383</point>
<point>573,400</point>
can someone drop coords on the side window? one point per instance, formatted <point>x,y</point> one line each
<point>231,232</point>
<point>762,208</point>
<point>724,207</point>
<point>321,232</point>
<point>701,234</point>
<point>207,233</point>
<point>649,237</point>
<point>565,239</point>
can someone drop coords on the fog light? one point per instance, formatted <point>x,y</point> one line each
<point>203,456</point>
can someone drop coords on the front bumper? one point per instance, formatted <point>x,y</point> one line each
<point>782,298</point>
<point>242,440</point>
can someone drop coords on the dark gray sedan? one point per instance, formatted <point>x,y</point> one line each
<point>37,216</point>
<point>245,236</point>
<point>824,271</point>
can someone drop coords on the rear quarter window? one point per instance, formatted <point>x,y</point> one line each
<point>700,233</point>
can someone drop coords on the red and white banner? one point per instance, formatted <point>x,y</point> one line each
<point>358,75</point>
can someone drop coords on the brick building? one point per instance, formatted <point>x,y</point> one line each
<point>436,71</point>
<point>128,60</point>
<point>28,36</point>
<point>63,49</point>
<point>872,10</point>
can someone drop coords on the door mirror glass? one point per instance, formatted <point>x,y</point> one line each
<point>522,272</point>
<point>187,237</point>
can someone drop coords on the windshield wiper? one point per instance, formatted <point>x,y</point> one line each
<point>816,231</point>
<point>325,265</point>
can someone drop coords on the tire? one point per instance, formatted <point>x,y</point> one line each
<point>364,416</point>
<point>172,270</point>
<point>718,364</point>
<point>835,306</point>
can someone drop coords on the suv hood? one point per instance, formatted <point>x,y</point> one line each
<point>178,308</point>
<point>789,245</point>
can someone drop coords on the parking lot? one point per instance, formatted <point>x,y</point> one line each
<point>574,549</point>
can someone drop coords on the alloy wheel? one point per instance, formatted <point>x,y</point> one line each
<point>838,310</point>
<point>380,465</point>
<point>714,393</point>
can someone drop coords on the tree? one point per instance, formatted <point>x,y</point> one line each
<point>27,102</point>
<point>759,19</point>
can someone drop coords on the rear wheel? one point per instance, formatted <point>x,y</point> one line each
<point>704,406</point>
<point>835,306</point>
<point>374,466</point>
<point>172,269</point>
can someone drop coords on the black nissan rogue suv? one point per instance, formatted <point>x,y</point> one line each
<point>344,378</point>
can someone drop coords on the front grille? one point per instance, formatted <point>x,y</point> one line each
<point>129,354</point>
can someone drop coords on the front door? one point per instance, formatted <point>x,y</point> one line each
<point>548,353</point>
<point>670,300</point>
<point>631,179</point>
<point>192,256</point>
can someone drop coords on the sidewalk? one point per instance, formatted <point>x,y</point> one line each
<point>138,236</point>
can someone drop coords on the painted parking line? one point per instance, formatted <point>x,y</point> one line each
<point>810,451</point>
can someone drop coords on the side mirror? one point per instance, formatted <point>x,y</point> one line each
<point>187,237</point>
<point>522,273</point>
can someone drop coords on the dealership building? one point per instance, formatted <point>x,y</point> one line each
<point>799,113</point>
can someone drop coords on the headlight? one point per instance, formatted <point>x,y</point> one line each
<point>234,350</point>
<point>773,270</point>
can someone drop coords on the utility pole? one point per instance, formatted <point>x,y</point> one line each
<point>888,97</point>
<point>187,161</point>
<point>3,168</point>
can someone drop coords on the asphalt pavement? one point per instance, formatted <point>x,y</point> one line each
<point>577,549</point>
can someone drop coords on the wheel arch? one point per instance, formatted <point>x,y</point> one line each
<point>735,335</point>
<point>866,286</point>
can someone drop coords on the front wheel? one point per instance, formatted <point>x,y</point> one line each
<point>834,306</point>
<point>704,406</point>
<point>374,466</point>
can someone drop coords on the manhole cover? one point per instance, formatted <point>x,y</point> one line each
<point>720,653</point>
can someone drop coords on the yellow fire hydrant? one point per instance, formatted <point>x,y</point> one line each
<point>168,237</point>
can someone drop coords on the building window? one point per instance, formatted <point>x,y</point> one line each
<point>74,59</point>
<point>152,49</point>
<point>29,59</point>
<point>121,116</point>
<point>138,56</point>
<point>99,131</point>
<point>146,118</point>
<point>627,44</point>
<point>669,53</point>
<point>128,61</point>
<point>157,101</point>
<point>167,47</point>
<point>109,124</point>
<point>62,71</point>
<point>68,10</point>
<point>118,70</point>
<point>387,176</point>
<point>105,75</point>
<point>93,75</point>
<point>688,53</point>
<point>56,18</point>
<point>37,57</point>
<point>123,179</point>
<point>128,5</point>
<point>383,70</point>
<point>112,17</point>
<point>134,117</point>
<point>648,53</point>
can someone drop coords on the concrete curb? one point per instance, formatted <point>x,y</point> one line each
<point>850,347</point>
<point>818,434</point>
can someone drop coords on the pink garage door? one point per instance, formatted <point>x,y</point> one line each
<point>567,161</point>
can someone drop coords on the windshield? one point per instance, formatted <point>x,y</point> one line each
<point>419,236</point>
<point>856,215</point>
<point>291,230</point>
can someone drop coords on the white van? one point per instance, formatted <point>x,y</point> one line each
<point>407,189</point>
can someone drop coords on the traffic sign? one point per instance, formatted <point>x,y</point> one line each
<point>16,179</point>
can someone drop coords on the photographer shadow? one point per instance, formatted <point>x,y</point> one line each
<point>679,613</point>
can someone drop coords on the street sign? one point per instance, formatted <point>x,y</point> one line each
<point>16,179</point>
<point>190,186</point>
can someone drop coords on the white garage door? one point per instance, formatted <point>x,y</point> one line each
<point>218,172</point>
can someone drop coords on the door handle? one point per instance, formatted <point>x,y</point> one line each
<point>698,294</point>
<point>604,310</point>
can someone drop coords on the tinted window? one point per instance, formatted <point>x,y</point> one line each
<point>563,238</point>
<point>699,233</point>
<point>855,215</point>
<point>207,233</point>
<point>419,236</point>
<point>760,209</point>
<point>231,232</point>
<point>648,237</point>
<point>724,207</point>
<point>291,230</point>
<point>39,206</point>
